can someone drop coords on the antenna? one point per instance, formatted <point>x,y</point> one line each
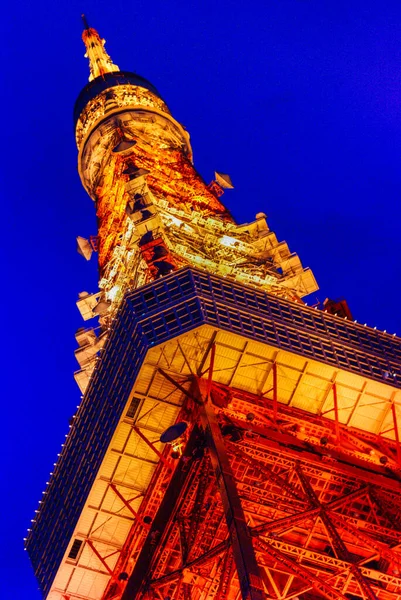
<point>173,432</point>
<point>85,22</point>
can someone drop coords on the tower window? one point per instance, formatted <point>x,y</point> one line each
<point>75,548</point>
<point>131,412</point>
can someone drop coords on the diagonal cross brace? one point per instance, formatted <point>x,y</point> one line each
<point>340,547</point>
<point>140,576</point>
<point>240,538</point>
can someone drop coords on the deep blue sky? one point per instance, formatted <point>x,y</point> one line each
<point>300,101</point>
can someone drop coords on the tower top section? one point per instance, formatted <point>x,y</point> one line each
<point>111,90</point>
<point>100,62</point>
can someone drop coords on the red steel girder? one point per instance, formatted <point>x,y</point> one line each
<point>128,505</point>
<point>304,418</point>
<point>196,562</point>
<point>338,544</point>
<point>99,556</point>
<point>150,444</point>
<point>141,574</point>
<point>396,433</point>
<point>270,441</point>
<point>385,507</point>
<point>194,523</point>
<point>266,471</point>
<point>317,583</point>
<point>361,536</point>
<point>275,398</point>
<point>226,575</point>
<point>243,551</point>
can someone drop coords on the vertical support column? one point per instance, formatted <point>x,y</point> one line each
<point>100,557</point>
<point>396,433</point>
<point>240,539</point>
<point>128,505</point>
<point>336,421</point>
<point>140,576</point>
<point>275,398</point>
<point>151,445</point>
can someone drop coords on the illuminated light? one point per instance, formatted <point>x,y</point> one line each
<point>228,241</point>
<point>174,220</point>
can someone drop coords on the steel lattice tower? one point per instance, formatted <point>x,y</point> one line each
<point>231,441</point>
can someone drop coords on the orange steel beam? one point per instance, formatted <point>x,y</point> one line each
<point>285,522</point>
<point>337,425</point>
<point>196,562</point>
<point>361,536</point>
<point>195,521</point>
<point>226,576</point>
<point>269,473</point>
<point>210,373</point>
<point>152,446</point>
<point>397,435</point>
<point>139,580</point>
<point>338,544</point>
<point>336,421</point>
<point>187,393</point>
<point>127,504</point>
<point>100,557</point>
<point>275,399</point>
<point>263,443</point>
<point>244,554</point>
<point>346,467</point>
<point>316,582</point>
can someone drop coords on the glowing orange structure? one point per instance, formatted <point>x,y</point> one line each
<point>231,441</point>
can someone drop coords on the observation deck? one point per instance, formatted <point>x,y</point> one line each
<point>261,341</point>
<point>107,82</point>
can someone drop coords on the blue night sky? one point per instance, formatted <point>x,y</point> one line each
<point>299,101</point>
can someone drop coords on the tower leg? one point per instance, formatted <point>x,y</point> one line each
<point>240,539</point>
<point>140,576</point>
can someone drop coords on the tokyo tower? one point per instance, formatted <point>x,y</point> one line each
<point>231,442</point>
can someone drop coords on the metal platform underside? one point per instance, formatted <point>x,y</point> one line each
<point>107,462</point>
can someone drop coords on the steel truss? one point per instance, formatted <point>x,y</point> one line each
<point>257,508</point>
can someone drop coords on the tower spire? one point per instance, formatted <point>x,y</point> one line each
<point>99,61</point>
